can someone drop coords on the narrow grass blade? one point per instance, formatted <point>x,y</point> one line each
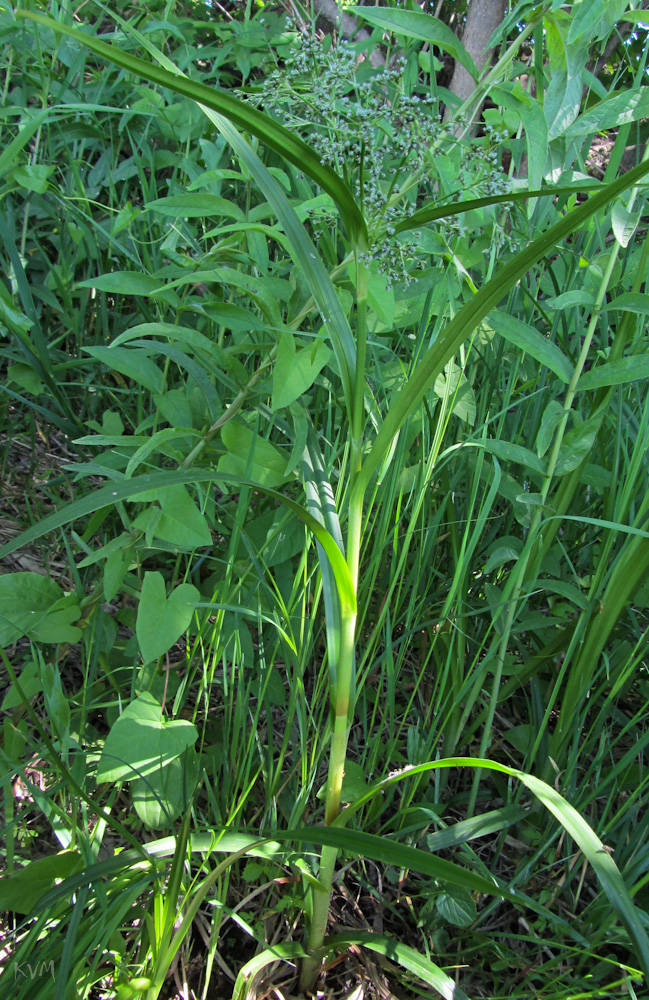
<point>459,329</point>
<point>584,836</point>
<point>390,852</point>
<point>447,211</point>
<point>304,252</point>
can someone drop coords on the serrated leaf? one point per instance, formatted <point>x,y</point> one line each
<point>456,906</point>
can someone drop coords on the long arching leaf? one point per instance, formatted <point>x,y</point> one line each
<point>604,866</point>
<point>460,328</point>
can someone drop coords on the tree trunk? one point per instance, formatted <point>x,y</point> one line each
<point>347,26</point>
<point>482,19</point>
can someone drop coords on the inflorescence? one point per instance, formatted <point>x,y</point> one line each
<point>380,139</point>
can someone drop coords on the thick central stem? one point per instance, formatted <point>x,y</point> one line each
<point>342,696</point>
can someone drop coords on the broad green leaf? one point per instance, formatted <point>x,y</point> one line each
<point>416,24</point>
<point>268,462</point>
<point>620,109</point>
<point>21,891</point>
<point>296,370</point>
<point>380,298</point>
<point>238,112</point>
<point>514,453</point>
<point>134,364</point>
<point>115,492</point>
<point>192,206</point>
<point>577,444</point>
<point>30,682</point>
<point>32,605</point>
<point>122,283</point>
<point>568,300</point>
<point>142,741</point>
<point>181,523</point>
<point>616,372</point>
<point>635,302</point>
<point>456,906</point>
<point>536,138</point>
<point>161,620</point>
<point>552,416</point>
<point>25,376</point>
<point>501,555</point>
<point>354,783</point>
<point>115,569</point>
<point>534,343</point>
<point>11,316</point>
<point>624,223</point>
<point>163,796</point>
<point>28,127</point>
<point>33,176</point>
<point>461,395</point>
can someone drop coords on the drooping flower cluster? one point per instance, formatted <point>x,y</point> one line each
<point>382,140</point>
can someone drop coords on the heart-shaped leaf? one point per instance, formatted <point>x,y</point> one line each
<point>21,890</point>
<point>296,371</point>
<point>161,620</point>
<point>163,796</point>
<point>141,742</point>
<point>34,606</point>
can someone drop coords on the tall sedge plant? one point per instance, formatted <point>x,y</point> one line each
<point>370,453</point>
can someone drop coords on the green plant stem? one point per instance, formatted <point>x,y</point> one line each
<point>345,673</point>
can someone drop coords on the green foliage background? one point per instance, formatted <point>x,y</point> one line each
<point>336,498</point>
